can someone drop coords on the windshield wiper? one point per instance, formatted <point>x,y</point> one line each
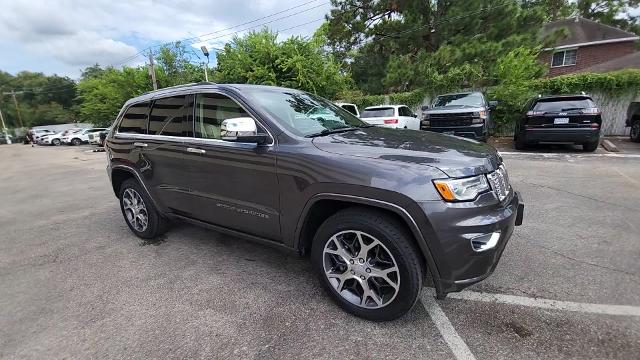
<point>573,108</point>
<point>332,131</point>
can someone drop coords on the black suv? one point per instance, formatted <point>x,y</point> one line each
<point>379,210</point>
<point>569,119</point>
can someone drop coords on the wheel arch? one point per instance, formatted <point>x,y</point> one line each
<point>120,173</point>
<point>321,206</point>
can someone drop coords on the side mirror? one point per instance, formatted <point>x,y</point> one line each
<point>414,115</point>
<point>493,104</point>
<point>424,107</point>
<point>242,129</point>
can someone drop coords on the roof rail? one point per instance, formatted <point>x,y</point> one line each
<point>181,86</point>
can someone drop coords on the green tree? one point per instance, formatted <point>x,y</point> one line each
<point>258,58</point>
<point>611,12</point>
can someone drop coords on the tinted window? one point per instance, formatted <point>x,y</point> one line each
<point>378,112</point>
<point>558,59</point>
<point>556,105</point>
<point>168,117</point>
<point>211,110</point>
<point>134,120</point>
<point>473,99</point>
<point>350,108</point>
<point>404,111</point>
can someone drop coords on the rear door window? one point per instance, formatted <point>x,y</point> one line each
<point>561,105</point>
<point>134,121</point>
<point>404,111</point>
<point>168,117</point>
<point>378,112</point>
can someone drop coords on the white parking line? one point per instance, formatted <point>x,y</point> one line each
<point>456,344</point>
<point>623,310</point>
<point>575,155</point>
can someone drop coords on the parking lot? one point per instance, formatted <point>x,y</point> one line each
<point>76,283</point>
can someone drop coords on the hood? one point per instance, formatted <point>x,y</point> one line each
<point>457,157</point>
<point>454,109</point>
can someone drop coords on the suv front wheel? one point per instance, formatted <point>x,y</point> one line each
<point>367,262</point>
<point>139,213</point>
<point>634,134</point>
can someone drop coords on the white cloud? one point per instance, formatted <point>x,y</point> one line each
<point>80,33</point>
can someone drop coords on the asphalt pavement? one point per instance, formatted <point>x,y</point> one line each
<point>75,282</point>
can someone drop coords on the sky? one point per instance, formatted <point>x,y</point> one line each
<point>65,36</point>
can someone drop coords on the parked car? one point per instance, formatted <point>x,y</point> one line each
<point>352,108</point>
<point>633,121</point>
<point>38,133</point>
<point>80,137</point>
<point>97,138</point>
<point>466,114</point>
<point>568,119</point>
<point>5,138</point>
<point>391,116</point>
<point>376,209</point>
<point>54,139</point>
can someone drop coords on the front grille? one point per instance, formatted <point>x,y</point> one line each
<point>499,181</point>
<point>448,120</point>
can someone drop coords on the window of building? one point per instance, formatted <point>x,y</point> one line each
<point>564,58</point>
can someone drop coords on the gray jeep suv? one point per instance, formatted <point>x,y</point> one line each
<point>379,211</point>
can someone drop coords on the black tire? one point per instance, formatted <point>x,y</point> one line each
<point>156,225</point>
<point>56,142</point>
<point>634,134</point>
<point>76,141</point>
<point>519,143</point>
<point>590,146</point>
<point>395,237</point>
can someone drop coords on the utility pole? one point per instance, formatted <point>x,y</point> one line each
<point>4,128</point>
<point>15,102</point>
<point>152,71</point>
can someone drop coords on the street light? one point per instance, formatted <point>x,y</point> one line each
<point>206,66</point>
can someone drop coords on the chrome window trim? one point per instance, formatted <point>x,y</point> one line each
<point>192,139</point>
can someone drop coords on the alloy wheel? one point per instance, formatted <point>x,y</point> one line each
<point>361,269</point>
<point>135,210</point>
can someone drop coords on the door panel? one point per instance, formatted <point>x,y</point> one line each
<point>233,185</point>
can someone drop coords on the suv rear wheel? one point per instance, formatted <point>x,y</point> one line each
<point>76,142</point>
<point>139,213</point>
<point>635,131</point>
<point>367,262</point>
<point>590,146</point>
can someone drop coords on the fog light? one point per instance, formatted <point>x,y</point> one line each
<point>485,242</point>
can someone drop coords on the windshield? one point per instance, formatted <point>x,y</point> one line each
<point>378,112</point>
<point>302,113</point>
<point>473,99</point>
<point>557,105</point>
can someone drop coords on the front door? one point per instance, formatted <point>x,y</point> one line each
<point>233,185</point>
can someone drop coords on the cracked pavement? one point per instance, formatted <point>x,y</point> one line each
<point>77,284</point>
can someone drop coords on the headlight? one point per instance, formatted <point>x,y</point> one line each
<point>461,189</point>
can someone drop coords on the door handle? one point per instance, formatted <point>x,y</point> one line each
<point>195,150</point>
<point>140,144</point>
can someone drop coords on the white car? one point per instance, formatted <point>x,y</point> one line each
<point>39,133</point>
<point>94,138</point>
<point>352,108</point>
<point>391,116</point>
<point>55,139</point>
<point>81,136</point>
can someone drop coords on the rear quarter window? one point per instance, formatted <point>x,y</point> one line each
<point>134,120</point>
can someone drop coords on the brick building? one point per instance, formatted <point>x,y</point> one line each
<point>589,46</point>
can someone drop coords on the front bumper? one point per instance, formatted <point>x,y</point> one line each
<point>561,135</point>
<point>475,131</point>
<point>456,224</point>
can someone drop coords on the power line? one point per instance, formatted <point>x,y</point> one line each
<point>190,39</point>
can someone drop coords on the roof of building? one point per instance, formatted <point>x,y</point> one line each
<point>630,61</point>
<point>584,32</point>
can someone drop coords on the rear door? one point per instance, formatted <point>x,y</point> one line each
<point>407,115</point>
<point>563,112</point>
<point>163,162</point>
<point>233,185</point>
